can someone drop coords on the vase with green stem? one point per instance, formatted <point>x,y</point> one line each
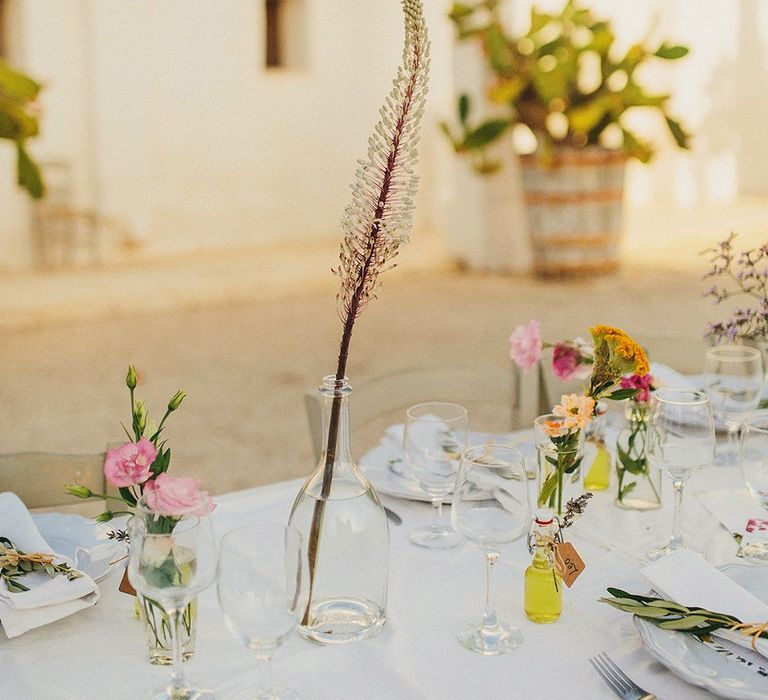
<point>559,454</point>
<point>639,480</point>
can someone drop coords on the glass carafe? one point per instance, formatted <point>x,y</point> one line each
<point>346,532</point>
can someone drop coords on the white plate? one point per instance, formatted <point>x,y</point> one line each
<point>719,672</point>
<point>385,467</point>
<point>83,541</point>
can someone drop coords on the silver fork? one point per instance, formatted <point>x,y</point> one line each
<point>618,681</point>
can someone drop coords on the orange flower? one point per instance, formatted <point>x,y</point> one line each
<point>624,355</point>
<point>554,428</point>
<point>576,410</point>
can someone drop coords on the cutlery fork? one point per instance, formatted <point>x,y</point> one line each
<point>618,681</point>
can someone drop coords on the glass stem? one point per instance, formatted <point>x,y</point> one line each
<point>265,674</point>
<point>178,681</point>
<point>489,618</point>
<point>437,513</point>
<point>676,541</point>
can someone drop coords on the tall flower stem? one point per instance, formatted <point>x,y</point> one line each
<point>376,223</point>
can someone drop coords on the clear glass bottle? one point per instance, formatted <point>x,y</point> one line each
<point>597,456</point>
<point>543,586</point>
<point>346,532</point>
<point>638,479</point>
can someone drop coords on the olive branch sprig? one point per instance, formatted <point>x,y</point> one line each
<point>15,563</point>
<point>680,618</point>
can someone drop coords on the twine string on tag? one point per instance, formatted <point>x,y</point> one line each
<point>750,629</point>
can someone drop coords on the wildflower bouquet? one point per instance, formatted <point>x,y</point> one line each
<point>742,274</point>
<point>615,355</point>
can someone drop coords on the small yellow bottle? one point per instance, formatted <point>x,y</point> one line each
<point>598,475</point>
<point>543,586</point>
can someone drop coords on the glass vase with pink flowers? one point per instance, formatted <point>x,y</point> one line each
<point>138,470</point>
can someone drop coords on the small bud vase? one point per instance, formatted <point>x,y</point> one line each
<point>639,481</point>
<point>559,461</point>
<point>158,631</point>
<point>346,533</point>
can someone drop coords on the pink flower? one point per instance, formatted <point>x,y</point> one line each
<point>129,464</point>
<point>643,384</point>
<point>568,362</point>
<point>526,345</point>
<point>175,496</point>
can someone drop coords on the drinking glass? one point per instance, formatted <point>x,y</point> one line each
<point>171,560</point>
<point>491,508</point>
<point>434,438</point>
<point>681,440</point>
<point>753,458</point>
<point>734,380</point>
<point>262,586</point>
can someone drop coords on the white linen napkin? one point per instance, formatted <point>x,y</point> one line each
<point>687,578</point>
<point>732,507</point>
<point>49,599</point>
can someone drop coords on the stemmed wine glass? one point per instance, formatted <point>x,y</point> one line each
<point>172,559</point>
<point>491,508</point>
<point>263,590</point>
<point>734,380</point>
<point>681,441</point>
<point>434,438</point>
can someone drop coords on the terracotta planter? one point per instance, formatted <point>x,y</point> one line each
<point>574,210</point>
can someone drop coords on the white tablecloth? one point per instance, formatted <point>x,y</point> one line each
<point>100,652</point>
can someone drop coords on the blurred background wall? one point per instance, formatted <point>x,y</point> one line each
<point>166,120</point>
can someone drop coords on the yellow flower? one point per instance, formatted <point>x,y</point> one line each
<point>619,351</point>
<point>576,410</point>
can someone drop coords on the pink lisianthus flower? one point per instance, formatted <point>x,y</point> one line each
<point>129,465</point>
<point>526,344</point>
<point>643,384</point>
<point>176,496</point>
<point>570,362</point>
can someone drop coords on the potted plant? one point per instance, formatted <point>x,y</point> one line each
<point>19,122</point>
<point>565,81</point>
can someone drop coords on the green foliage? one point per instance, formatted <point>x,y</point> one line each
<point>19,122</point>
<point>546,71</point>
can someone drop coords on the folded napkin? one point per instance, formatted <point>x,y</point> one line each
<point>49,599</point>
<point>732,507</point>
<point>687,578</point>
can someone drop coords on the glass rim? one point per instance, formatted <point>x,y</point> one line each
<point>545,417</point>
<point>696,397</point>
<point>460,411</point>
<point>752,420</point>
<point>472,454</point>
<point>732,353</point>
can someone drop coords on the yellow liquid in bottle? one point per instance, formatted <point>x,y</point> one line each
<point>543,591</point>
<point>598,477</point>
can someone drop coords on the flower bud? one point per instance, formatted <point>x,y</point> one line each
<point>176,400</point>
<point>78,490</point>
<point>140,417</point>
<point>130,379</point>
<point>104,517</point>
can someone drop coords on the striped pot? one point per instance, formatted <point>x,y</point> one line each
<point>574,210</point>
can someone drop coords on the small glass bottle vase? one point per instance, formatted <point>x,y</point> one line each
<point>158,630</point>
<point>559,460</point>
<point>639,481</point>
<point>346,534</point>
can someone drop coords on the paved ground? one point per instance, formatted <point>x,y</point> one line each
<point>246,366</point>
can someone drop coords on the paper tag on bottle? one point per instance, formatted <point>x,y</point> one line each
<point>125,585</point>
<point>568,562</point>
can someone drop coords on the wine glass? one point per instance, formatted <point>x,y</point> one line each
<point>171,560</point>
<point>734,380</point>
<point>491,508</point>
<point>753,455</point>
<point>434,438</point>
<point>681,440</point>
<point>263,589</point>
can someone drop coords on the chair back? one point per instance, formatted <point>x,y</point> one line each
<point>38,479</point>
